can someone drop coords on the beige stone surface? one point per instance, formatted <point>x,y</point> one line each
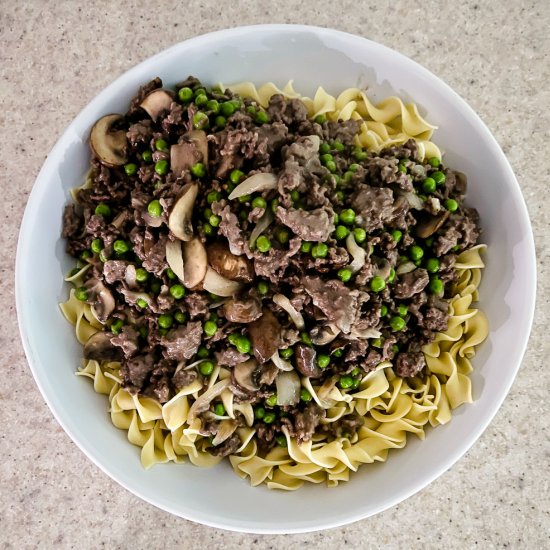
<point>56,56</point>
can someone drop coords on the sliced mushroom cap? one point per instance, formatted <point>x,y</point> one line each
<point>109,145</point>
<point>182,156</point>
<point>103,302</point>
<point>174,258</point>
<point>157,102</point>
<point>194,262</point>
<point>262,181</point>
<point>243,375</point>
<point>305,361</point>
<point>198,138</point>
<point>236,268</point>
<point>265,334</point>
<point>180,219</point>
<point>324,335</point>
<point>100,348</point>
<point>429,225</point>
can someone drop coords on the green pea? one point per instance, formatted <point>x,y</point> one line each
<point>207,229</point>
<point>219,409</point>
<point>155,209</point>
<point>96,246</point>
<point>206,368</point>
<point>269,417</point>
<point>439,178</point>
<point>213,106</point>
<point>355,385</point>
<point>261,117</point>
<point>200,121</point>
<point>220,121</point>
<point>243,345</point>
<point>201,99</point>
<point>214,220</point>
<point>141,275</point>
<point>353,167</point>
<point>324,148</point>
<point>170,273</point>
<point>263,244</point>
<point>116,327</point>
<point>177,291</point>
<point>338,146</point>
<point>147,156</point>
<point>210,328</point>
<point>213,196</point>
<point>397,323</point>
<point>338,352</point>
<point>236,176</point>
<point>348,176</point>
<point>180,317</point>
<point>227,108</point>
<point>327,157</point>
<point>213,317</point>
<point>185,94</point>
<point>286,353</point>
<point>140,302</point>
<point>207,213</point>
<point>360,235</point>
<point>436,286</point>
<point>345,382</point>
<point>347,216</point>
<point>81,294</point>
<point>271,401</point>
<point>341,232</point>
<point>103,256</point>
<point>383,310</point>
<point>305,395</point>
<point>323,361</point>
<point>155,287</point>
<point>339,196</point>
<point>161,145</point>
<point>391,276</point>
<point>377,284</point>
<point>432,265</point>
<point>198,170</point>
<point>376,343</point>
<point>305,338</point>
<point>429,241</point>
<point>344,274</point>
<point>320,119</point>
<point>395,348</point>
<point>396,235</point>
<point>161,167</point>
<point>306,247</point>
<point>102,209</point>
<point>295,195</point>
<point>259,413</point>
<point>360,154</point>
<point>130,168</point>
<point>434,161</point>
<point>428,185</point>
<point>330,166</point>
<point>402,310</point>
<point>120,246</point>
<point>259,202</point>
<point>319,250</point>
<point>274,204</point>
<point>283,235</point>
<point>165,321</point>
<point>451,205</point>
<point>416,252</point>
<point>202,353</point>
<point>263,288</point>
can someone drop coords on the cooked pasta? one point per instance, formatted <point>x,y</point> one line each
<point>392,406</point>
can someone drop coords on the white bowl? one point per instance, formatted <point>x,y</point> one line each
<point>312,57</point>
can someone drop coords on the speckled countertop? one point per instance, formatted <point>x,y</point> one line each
<point>56,56</point>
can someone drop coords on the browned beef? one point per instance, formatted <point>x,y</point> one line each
<point>303,424</point>
<point>306,361</point>
<point>72,222</point>
<point>183,378</point>
<point>230,357</point>
<point>228,447</point>
<point>410,364</point>
<point>183,342</point>
<point>374,204</point>
<point>242,310</point>
<point>127,340</point>
<point>197,304</point>
<point>315,225</point>
<point>135,371</point>
<point>411,283</point>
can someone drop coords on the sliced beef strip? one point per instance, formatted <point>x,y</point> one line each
<point>306,361</point>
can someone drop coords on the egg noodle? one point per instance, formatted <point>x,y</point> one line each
<point>392,406</point>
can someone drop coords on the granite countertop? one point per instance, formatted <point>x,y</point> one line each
<point>56,57</point>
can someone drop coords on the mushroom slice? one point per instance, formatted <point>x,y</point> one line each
<point>179,220</point>
<point>194,262</point>
<point>236,268</point>
<point>109,145</point>
<point>182,156</point>
<point>174,257</point>
<point>198,138</point>
<point>156,102</point>
<point>226,429</point>
<point>216,284</point>
<point>431,224</point>
<point>99,348</point>
<point>258,182</point>
<point>103,301</point>
<point>243,375</point>
<point>321,336</point>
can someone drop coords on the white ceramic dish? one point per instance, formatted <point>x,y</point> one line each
<point>312,57</point>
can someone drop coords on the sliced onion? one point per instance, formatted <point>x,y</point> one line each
<point>280,363</point>
<point>225,430</point>
<point>407,267</point>
<point>358,254</point>
<point>263,223</point>
<point>190,366</point>
<point>364,333</point>
<point>130,276</point>
<point>258,182</point>
<point>414,201</point>
<point>203,401</point>
<point>383,270</point>
<point>216,284</point>
<point>288,388</point>
<point>295,315</point>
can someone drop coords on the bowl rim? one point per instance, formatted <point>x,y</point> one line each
<point>50,164</point>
